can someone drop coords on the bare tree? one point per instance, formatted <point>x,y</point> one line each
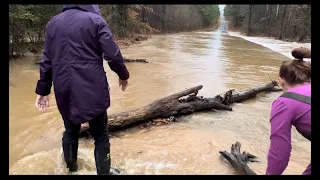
<point>277,11</point>
<point>250,18</point>
<point>282,21</point>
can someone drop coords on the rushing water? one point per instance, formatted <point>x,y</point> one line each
<point>223,24</point>
<point>217,61</point>
<point>282,47</point>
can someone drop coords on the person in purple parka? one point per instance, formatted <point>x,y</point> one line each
<point>292,108</point>
<point>76,42</point>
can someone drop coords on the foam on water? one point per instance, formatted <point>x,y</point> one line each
<point>279,46</point>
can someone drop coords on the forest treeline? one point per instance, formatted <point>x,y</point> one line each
<point>290,22</point>
<point>27,22</point>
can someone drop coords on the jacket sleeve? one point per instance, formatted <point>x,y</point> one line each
<point>45,82</point>
<point>111,51</point>
<point>280,145</point>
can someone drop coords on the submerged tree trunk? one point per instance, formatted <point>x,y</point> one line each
<point>176,105</point>
<point>165,107</point>
<point>251,93</point>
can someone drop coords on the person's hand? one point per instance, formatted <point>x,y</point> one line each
<point>123,84</point>
<point>42,102</point>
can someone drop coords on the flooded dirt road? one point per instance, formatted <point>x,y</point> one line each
<point>217,61</point>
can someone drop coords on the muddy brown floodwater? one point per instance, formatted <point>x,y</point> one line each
<point>217,61</point>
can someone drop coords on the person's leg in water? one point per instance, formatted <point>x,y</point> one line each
<point>70,143</point>
<point>99,131</point>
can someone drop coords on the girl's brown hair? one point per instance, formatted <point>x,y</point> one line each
<point>295,72</point>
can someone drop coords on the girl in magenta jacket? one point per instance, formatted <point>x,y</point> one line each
<point>293,108</point>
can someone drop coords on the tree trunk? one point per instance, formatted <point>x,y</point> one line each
<point>289,32</point>
<point>250,18</point>
<point>270,21</point>
<point>40,35</point>
<point>173,105</point>
<point>307,21</point>
<point>277,11</point>
<point>266,23</point>
<point>282,22</point>
<point>290,14</point>
<point>143,13</point>
<point>163,18</point>
<point>123,13</point>
<point>172,24</point>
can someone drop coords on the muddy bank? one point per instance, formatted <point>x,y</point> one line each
<point>132,39</point>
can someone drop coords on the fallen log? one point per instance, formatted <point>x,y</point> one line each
<point>38,58</point>
<point>135,60</point>
<point>176,105</point>
<point>239,161</point>
<point>165,107</point>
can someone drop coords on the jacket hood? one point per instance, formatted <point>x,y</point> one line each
<point>89,8</point>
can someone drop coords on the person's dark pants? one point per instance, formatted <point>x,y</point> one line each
<point>99,131</point>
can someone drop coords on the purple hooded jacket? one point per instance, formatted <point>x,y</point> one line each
<point>286,113</point>
<point>76,41</point>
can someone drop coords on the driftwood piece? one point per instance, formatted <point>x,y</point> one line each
<point>117,171</point>
<point>182,103</point>
<point>239,161</point>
